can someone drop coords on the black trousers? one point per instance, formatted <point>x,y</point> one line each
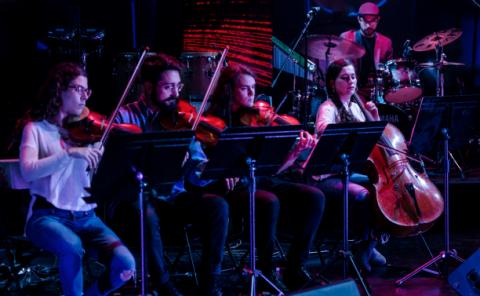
<point>276,199</point>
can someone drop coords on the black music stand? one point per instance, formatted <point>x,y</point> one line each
<point>157,156</point>
<point>342,147</point>
<point>245,149</point>
<point>455,119</point>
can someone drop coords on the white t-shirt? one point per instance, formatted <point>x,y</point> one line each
<point>53,174</point>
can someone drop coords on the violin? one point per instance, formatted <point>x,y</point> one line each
<point>263,114</point>
<point>208,129</point>
<point>89,127</point>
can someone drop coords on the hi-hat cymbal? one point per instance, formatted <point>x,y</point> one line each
<point>331,48</point>
<point>440,38</point>
<point>440,64</point>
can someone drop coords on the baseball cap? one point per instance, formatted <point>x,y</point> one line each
<point>368,8</point>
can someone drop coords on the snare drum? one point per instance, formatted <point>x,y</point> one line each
<point>199,69</point>
<point>402,83</point>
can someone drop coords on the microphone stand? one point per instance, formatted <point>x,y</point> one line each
<point>310,15</point>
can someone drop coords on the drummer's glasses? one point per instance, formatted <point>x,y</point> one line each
<point>81,90</point>
<point>370,18</point>
<point>171,86</point>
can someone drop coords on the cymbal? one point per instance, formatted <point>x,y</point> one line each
<point>336,47</point>
<point>440,64</point>
<point>440,38</point>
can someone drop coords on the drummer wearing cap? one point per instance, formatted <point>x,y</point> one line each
<point>378,47</point>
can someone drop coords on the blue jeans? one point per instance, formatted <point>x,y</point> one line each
<point>67,234</point>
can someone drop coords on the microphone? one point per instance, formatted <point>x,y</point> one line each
<point>406,48</point>
<point>313,11</point>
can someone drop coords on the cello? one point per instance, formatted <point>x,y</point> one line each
<point>407,202</point>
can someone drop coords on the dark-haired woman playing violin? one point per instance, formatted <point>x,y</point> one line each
<point>157,109</point>
<point>62,221</point>
<point>275,198</point>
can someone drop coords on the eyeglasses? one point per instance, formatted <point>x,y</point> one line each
<point>81,90</point>
<point>370,18</point>
<point>171,86</point>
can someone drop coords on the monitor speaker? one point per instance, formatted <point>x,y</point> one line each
<point>466,278</point>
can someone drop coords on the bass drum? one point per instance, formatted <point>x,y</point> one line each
<point>397,117</point>
<point>199,69</point>
<point>401,84</point>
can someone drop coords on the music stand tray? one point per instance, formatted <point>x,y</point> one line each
<point>158,155</point>
<point>355,139</point>
<point>246,149</point>
<point>343,146</point>
<point>267,145</point>
<point>459,114</point>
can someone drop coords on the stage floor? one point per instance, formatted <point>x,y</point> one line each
<point>403,255</point>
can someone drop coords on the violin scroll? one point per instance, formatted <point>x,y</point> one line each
<point>263,114</point>
<point>208,129</point>
<point>89,127</point>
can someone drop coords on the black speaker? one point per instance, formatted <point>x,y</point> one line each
<point>341,288</point>
<point>466,278</point>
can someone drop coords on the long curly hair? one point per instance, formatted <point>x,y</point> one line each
<point>48,101</point>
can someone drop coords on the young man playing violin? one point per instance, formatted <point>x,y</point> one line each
<point>275,198</point>
<point>161,77</point>
<point>63,221</point>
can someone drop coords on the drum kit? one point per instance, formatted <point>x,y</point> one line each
<point>74,44</point>
<point>397,83</point>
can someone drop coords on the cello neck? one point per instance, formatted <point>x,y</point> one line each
<point>365,112</point>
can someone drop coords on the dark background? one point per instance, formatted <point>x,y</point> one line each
<point>26,53</point>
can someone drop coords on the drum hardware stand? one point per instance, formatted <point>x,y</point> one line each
<point>378,89</point>
<point>440,78</point>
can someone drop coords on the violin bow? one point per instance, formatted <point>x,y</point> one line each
<point>109,126</point>
<point>211,86</point>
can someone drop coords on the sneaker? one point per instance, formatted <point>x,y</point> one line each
<point>168,289</point>
<point>364,253</point>
<point>377,259</point>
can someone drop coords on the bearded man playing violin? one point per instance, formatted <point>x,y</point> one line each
<point>157,110</point>
<point>276,200</point>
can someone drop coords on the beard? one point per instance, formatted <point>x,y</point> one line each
<point>168,105</point>
<point>368,32</point>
